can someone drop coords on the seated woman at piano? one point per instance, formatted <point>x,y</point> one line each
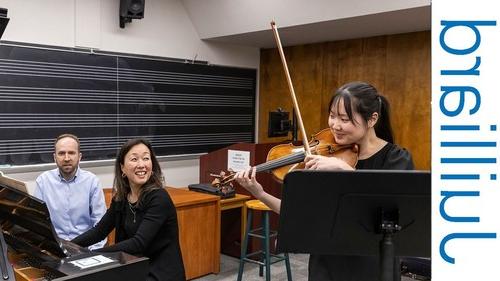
<point>142,214</point>
<point>357,114</point>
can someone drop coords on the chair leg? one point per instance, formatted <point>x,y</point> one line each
<point>262,247</point>
<point>288,270</point>
<point>267,250</point>
<point>244,247</point>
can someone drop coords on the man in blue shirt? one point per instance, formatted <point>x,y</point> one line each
<point>73,196</point>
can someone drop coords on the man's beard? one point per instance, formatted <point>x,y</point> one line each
<point>67,170</point>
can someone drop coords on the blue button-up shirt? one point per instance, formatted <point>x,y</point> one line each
<point>75,205</point>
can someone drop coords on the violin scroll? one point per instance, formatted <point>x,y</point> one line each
<point>223,181</point>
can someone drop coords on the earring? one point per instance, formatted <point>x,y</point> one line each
<point>152,172</point>
<point>123,175</point>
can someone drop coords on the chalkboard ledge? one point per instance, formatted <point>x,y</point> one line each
<point>6,169</point>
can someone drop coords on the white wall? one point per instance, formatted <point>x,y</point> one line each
<point>216,18</point>
<point>166,30</point>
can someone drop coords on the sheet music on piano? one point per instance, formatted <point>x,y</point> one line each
<point>91,261</point>
<point>36,252</point>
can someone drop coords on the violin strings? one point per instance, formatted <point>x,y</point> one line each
<point>286,160</point>
<point>276,163</point>
<point>283,161</point>
<point>291,159</point>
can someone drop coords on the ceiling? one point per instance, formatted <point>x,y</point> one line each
<point>393,22</point>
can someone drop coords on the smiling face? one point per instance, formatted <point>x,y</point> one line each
<point>345,130</point>
<point>137,165</point>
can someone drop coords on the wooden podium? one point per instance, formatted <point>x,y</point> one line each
<point>216,161</point>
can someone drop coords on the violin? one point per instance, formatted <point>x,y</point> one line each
<point>284,158</point>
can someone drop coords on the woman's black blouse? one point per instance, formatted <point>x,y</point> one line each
<point>154,234</point>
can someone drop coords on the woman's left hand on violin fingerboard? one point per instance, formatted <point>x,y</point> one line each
<point>247,180</point>
<point>319,162</point>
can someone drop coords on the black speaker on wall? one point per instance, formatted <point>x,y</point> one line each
<point>131,9</point>
<point>4,20</point>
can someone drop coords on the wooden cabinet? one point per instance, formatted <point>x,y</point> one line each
<point>199,231</point>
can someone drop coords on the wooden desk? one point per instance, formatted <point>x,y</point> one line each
<point>198,217</point>
<point>238,201</point>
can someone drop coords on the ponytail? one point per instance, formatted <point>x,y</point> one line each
<point>383,128</point>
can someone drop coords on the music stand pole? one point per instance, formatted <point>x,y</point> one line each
<point>389,226</point>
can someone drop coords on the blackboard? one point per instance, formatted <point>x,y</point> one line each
<point>105,99</point>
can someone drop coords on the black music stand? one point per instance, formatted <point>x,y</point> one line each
<point>363,213</point>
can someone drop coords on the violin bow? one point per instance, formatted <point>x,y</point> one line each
<point>292,91</point>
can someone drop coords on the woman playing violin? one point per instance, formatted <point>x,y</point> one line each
<point>360,115</point>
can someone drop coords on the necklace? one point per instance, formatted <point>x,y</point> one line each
<point>131,209</point>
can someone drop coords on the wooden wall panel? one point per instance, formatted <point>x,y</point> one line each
<point>330,79</point>
<point>352,60</point>
<point>306,70</point>
<point>374,61</point>
<point>397,65</point>
<point>408,87</point>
